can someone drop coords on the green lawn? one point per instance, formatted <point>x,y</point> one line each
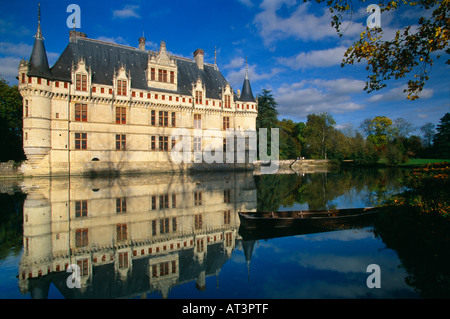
<point>423,161</point>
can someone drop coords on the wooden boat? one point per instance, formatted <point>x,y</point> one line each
<point>318,219</point>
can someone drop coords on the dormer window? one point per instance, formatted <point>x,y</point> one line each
<point>198,97</point>
<point>81,76</point>
<point>121,87</point>
<point>162,75</point>
<point>227,103</point>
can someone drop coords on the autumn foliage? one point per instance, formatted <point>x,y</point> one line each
<point>428,190</point>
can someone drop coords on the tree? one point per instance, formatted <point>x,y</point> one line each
<point>412,49</point>
<point>289,144</point>
<point>402,128</point>
<point>441,140</point>
<point>428,131</point>
<point>267,112</point>
<point>11,112</point>
<point>317,133</point>
<point>379,131</point>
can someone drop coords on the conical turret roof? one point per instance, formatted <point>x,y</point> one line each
<point>38,65</point>
<point>246,93</point>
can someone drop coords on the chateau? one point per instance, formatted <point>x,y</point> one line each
<point>108,108</point>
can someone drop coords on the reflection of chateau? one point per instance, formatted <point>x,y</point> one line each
<point>130,236</point>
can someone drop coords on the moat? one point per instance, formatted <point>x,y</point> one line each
<point>178,236</point>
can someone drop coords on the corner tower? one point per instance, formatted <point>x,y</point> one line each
<point>247,94</point>
<point>35,87</point>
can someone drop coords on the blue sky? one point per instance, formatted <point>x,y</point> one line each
<point>291,49</point>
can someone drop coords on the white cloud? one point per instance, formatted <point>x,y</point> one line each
<point>397,94</point>
<point>297,100</point>
<point>235,63</point>
<point>10,56</point>
<point>315,58</point>
<point>300,24</point>
<point>16,49</point>
<point>9,68</point>
<point>129,11</point>
<point>236,76</point>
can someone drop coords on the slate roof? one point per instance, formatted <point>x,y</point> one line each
<point>246,93</point>
<point>104,58</point>
<point>38,60</point>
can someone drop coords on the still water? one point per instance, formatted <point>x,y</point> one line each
<point>178,236</point>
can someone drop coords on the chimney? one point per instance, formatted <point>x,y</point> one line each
<point>198,58</point>
<point>142,43</point>
<point>73,35</point>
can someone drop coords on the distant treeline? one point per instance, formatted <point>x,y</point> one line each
<point>378,138</point>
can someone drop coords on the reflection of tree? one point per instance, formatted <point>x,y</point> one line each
<point>11,223</point>
<point>421,242</point>
<point>318,190</point>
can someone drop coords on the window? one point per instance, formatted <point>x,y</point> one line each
<point>197,198</point>
<point>153,118</point>
<point>80,141</point>
<point>172,77</point>
<point>198,97</point>
<point>23,77</point>
<point>153,202</point>
<point>164,269</point>
<point>153,227</point>
<point>164,226</point>
<point>153,143</point>
<point>26,108</point>
<point>81,82</point>
<point>121,142</point>
<point>81,208</point>
<point>227,196</point>
<point>163,143</point>
<point>197,144</point>
<point>121,115</point>
<point>174,120</point>
<point>152,74</point>
<point>197,121</point>
<point>174,224</point>
<point>123,260</point>
<point>200,245</point>
<point>198,221</point>
<point>163,118</point>
<point>174,200</point>
<point>174,142</point>
<point>162,75</point>
<point>227,101</point>
<point>164,201</point>
<point>224,144</point>
<point>227,217</point>
<point>84,267</point>
<point>121,87</point>
<point>80,112</point>
<point>81,237</point>
<point>226,123</point>
<point>121,230</point>
<point>121,205</point>
<point>228,239</point>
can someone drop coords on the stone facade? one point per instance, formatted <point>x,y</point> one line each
<point>110,108</point>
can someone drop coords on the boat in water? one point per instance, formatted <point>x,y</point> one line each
<point>259,225</point>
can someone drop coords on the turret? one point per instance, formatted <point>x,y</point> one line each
<point>35,87</point>
<point>246,93</point>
